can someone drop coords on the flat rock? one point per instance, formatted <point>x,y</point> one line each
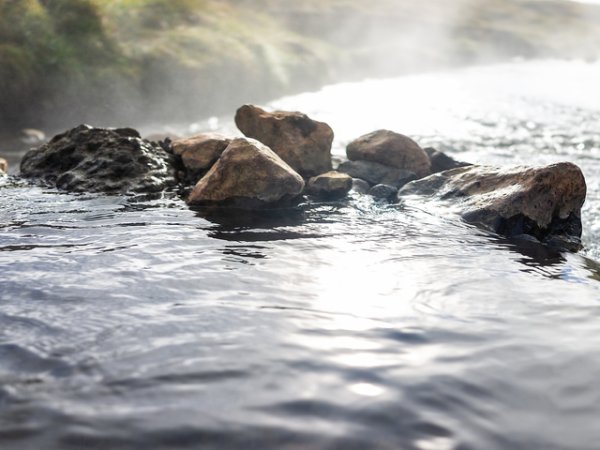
<point>390,149</point>
<point>247,175</point>
<point>101,160</point>
<point>329,185</point>
<point>198,153</point>
<point>538,201</point>
<point>301,142</point>
<point>376,173</point>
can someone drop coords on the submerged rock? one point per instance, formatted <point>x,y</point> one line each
<point>392,150</point>
<point>101,160</point>
<point>440,161</point>
<point>3,165</point>
<point>301,142</point>
<point>247,175</point>
<point>376,173</point>
<point>329,185</point>
<point>198,153</point>
<point>383,192</point>
<point>539,201</point>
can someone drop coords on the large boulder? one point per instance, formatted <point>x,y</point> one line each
<point>247,175</point>
<point>390,149</point>
<point>101,160</point>
<point>329,185</point>
<point>303,143</point>
<point>198,153</point>
<point>376,173</point>
<point>538,201</point>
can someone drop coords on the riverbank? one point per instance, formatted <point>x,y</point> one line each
<point>137,61</point>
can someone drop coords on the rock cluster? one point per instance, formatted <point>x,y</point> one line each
<point>101,160</point>
<point>286,155</point>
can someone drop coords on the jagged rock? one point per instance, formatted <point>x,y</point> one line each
<point>3,165</point>
<point>540,201</point>
<point>360,186</point>
<point>329,185</point>
<point>199,153</point>
<point>383,191</point>
<point>390,149</point>
<point>247,175</point>
<point>101,160</point>
<point>440,161</point>
<point>303,143</point>
<point>376,173</point>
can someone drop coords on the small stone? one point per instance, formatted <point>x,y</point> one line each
<point>301,142</point>
<point>329,185</point>
<point>390,149</point>
<point>360,186</point>
<point>383,192</point>
<point>441,161</point>
<point>3,165</point>
<point>247,175</point>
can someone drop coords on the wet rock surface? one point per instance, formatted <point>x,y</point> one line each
<point>375,173</point>
<point>329,185</point>
<point>383,192</point>
<point>390,149</point>
<point>301,142</point>
<point>544,202</point>
<point>441,161</point>
<point>247,175</point>
<point>198,153</point>
<point>101,160</point>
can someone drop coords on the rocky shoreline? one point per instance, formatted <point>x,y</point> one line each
<point>286,156</point>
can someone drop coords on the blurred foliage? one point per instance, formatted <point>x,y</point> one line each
<point>65,61</point>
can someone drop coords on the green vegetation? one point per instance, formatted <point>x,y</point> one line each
<point>67,61</point>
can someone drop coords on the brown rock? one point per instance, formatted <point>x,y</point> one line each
<point>301,142</point>
<point>248,174</point>
<point>539,201</point>
<point>390,149</point>
<point>3,165</point>
<point>199,153</point>
<point>330,185</point>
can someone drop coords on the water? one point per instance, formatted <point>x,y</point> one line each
<point>131,323</point>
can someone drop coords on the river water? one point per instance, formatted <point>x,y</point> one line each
<point>131,323</point>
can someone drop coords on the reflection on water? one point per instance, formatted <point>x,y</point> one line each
<point>138,323</point>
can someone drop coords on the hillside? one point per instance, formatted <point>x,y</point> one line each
<point>112,62</point>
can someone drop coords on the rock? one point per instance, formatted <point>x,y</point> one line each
<point>247,175</point>
<point>360,186</point>
<point>199,153</point>
<point>329,185</point>
<point>440,161</point>
<point>101,160</point>
<point>539,201</point>
<point>3,165</point>
<point>390,149</point>
<point>301,142</point>
<point>383,192</point>
<point>376,173</point>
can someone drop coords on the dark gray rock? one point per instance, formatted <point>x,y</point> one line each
<point>101,160</point>
<point>361,186</point>
<point>383,192</point>
<point>440,161</point>
<point>375,173</point>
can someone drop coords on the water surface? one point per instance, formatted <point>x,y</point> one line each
<point>132,323</point>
